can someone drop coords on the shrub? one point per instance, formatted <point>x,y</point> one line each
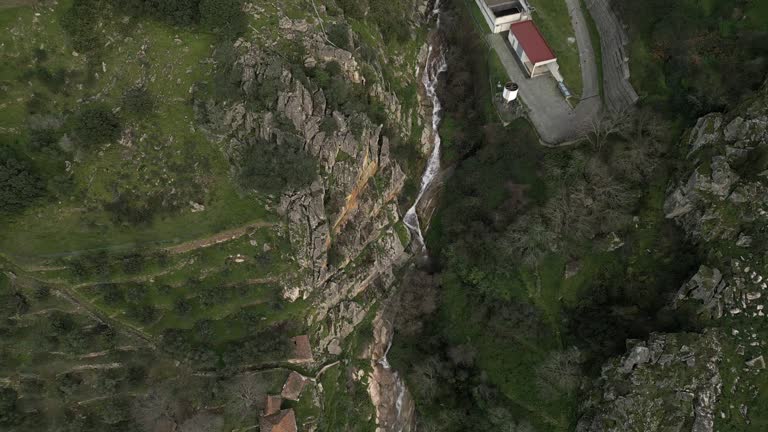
<point>224,16</point>
<point>138,101</point>
<point>54,81</point>
<point>338,34</point>
<point>329,125</point>
<point>275,165</point>
<point>369,74</point>
<point>174,12</point>
<point>96,125</point>
<point>19,184</point>
<point>80,21</point>
<point>133,209</point>
<point>353,8</point>
<point>40,139</point>
<point>393,25</point>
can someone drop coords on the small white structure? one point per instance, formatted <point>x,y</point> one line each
<point>500,14</point>
<point>532,50</point>
<point>510,91</point>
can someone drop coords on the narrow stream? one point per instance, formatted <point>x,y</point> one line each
<point>433,67</point>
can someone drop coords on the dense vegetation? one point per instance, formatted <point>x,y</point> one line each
<point>223,17</point>
<point>142,264</point>
<point>544,261</point>
<point>693,57</point>
<point>20,185</point>
<point>387,16</point>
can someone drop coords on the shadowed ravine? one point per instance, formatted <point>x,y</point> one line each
<point>400,417</point>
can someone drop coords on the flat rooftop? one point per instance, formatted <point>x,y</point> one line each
<point>502,8</point>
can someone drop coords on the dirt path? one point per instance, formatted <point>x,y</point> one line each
<point>215,239</point>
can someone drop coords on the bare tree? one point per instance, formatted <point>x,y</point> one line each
<point>605,125</point>
<point>247,395</point>
<point>560,374</point>
<point>424,379</point>
<point>157,407</point>
<point>463,354</point>
<point>202,422</point>
<point>528,240</point>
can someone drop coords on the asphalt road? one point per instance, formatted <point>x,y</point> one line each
<point>555,120</point>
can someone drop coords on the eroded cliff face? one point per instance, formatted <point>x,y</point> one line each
<point>710,380</point>
<point>345,227</point>
<point>395,407</point>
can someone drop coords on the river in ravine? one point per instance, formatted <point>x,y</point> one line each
<point>434,66</point>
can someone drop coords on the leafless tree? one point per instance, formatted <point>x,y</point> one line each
<point>424,379</point>
<point>247,394</point>
<point>202,422</point>
<point>528,240</point>
<point>605,125</point>
<point>463,354</point>
<point>560,373</point>
<point>416,299</point>
<point>158,406</point>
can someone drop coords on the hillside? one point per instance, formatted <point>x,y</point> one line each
<point>187,187</point>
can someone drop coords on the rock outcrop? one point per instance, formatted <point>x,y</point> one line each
<point>686,381</point>
<point>395,407</point>
<point>669,383</point>
<point>344,225</point>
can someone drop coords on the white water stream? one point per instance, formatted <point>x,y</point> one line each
<point>433,67</point>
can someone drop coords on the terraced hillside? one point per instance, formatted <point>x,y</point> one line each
<point>185,189</point>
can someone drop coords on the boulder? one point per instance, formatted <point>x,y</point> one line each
<point>639,355</point>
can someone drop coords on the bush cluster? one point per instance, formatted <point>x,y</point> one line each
<point>95,125</point>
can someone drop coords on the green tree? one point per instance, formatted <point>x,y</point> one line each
<point>9,413</point>
<point>271,166</point>
<point>19,184</point>
<point>96,124</point>
<point>138,101</point>
<point>223,16</point>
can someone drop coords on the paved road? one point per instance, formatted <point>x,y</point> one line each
<point>589,71</point>
<point>554,119</point>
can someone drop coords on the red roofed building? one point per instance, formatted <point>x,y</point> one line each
<point>302,350</point>
<point>293,386</point>
<point>282,421</point>
<point>272,405</point>
<point>531,48</point>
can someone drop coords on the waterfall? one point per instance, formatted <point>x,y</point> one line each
<point>435,64</point>
<point>433,67</point>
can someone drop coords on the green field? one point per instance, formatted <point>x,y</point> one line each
<point>172,62</point>
<point>117,268</point>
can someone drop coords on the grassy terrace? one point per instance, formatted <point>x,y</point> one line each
<point>174,60</point>
<point>120,269</point>
<point>553,20</point>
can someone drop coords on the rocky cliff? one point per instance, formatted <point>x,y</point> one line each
<point>709,380</point>
<point>345,227</point>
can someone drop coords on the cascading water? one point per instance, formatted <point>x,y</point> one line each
<point>434,66</point>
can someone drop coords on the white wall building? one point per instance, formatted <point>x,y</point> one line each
<point>500,14</point>
<point>532,50</point>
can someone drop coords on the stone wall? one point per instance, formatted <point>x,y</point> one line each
<point>619,94</point>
